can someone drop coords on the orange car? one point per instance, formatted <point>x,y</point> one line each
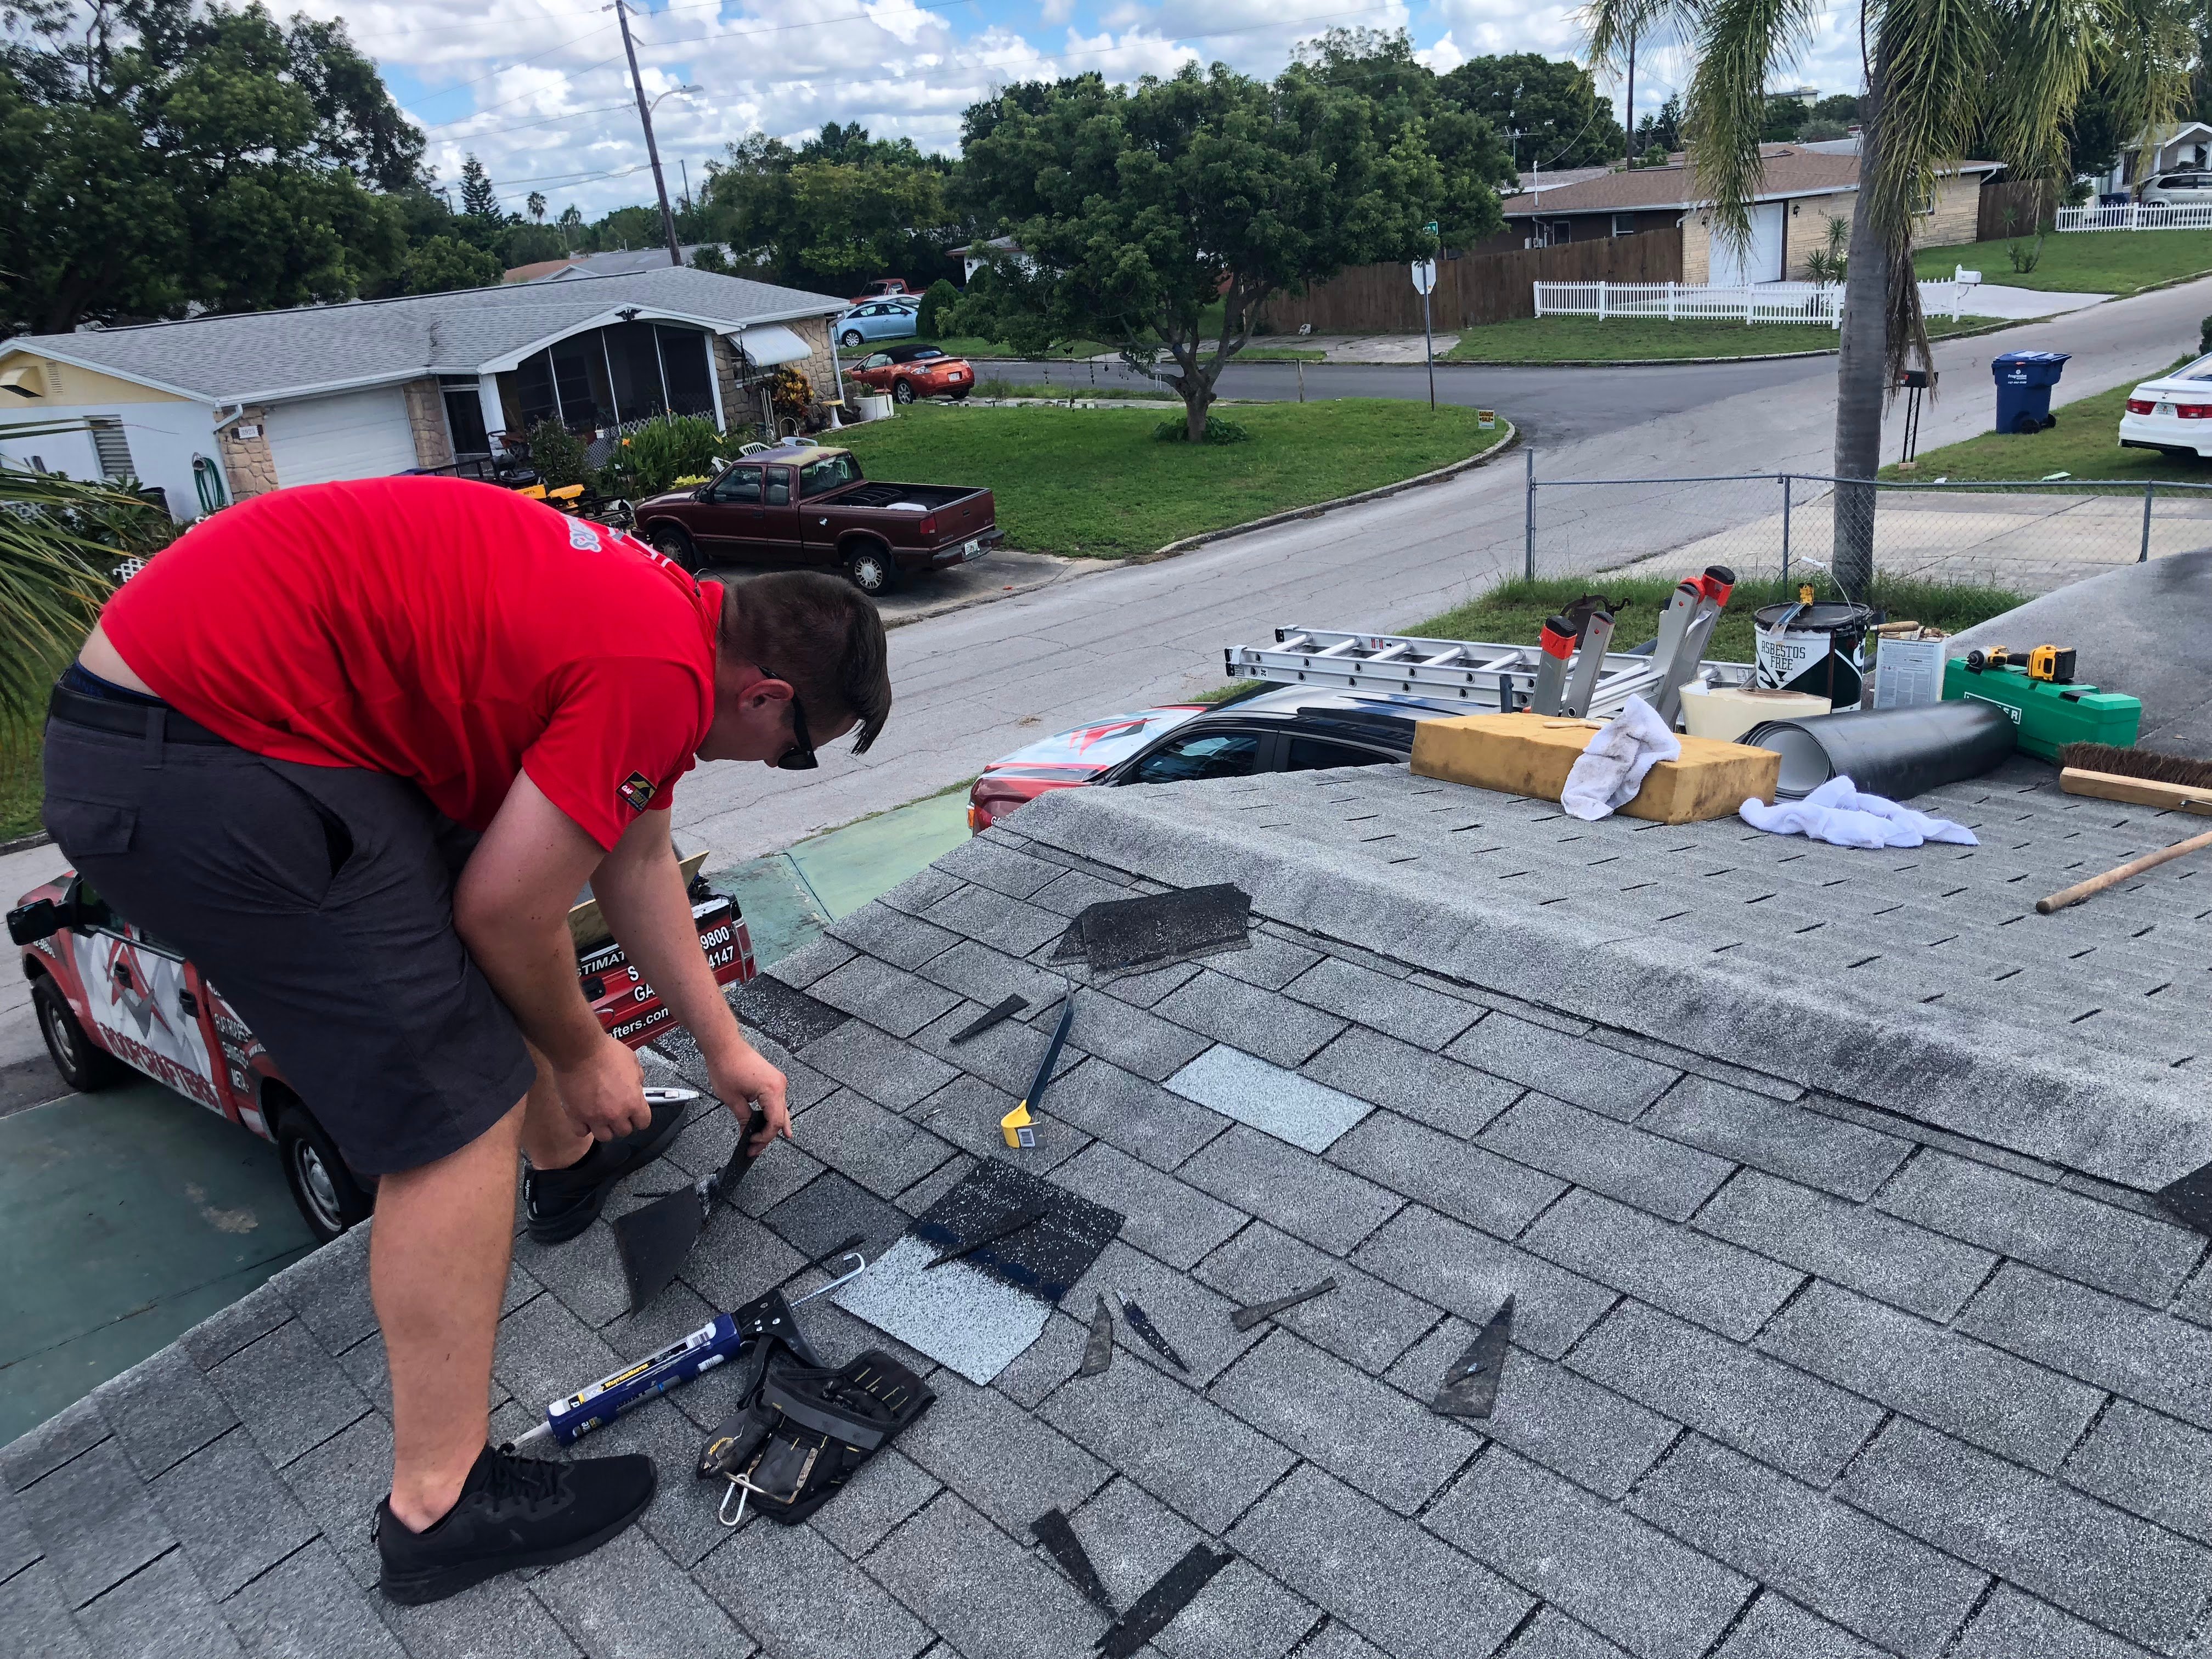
<point>908,372</point>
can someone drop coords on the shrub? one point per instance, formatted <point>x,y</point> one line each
<point>2025,256</point>
<point>2204,335</point>
<point>941,297</point>
<point>653,457</point>
<point>558,455</point>
<point>791,391</point>
<point>1177,430</point>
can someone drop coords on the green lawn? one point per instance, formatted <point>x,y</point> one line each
<point>994,385</point>
<point>1569,339</point>
<point>1514,613</point>
<point>2081,261</point>
<point>2085,443</point>
<point>1278,355</point>
<point>1096,483</point>
<point>965,345</point>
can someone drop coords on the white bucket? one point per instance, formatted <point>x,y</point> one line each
<point>874,406</point>
<point>1725,713</point>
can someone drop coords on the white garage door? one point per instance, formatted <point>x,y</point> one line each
<point>353,434</point>
<point>1760,262</point>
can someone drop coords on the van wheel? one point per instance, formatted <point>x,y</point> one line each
<point>328,1195</point>
<point>850,337</point>
<point>673,542</point>
<point>872,569</point>
<point>902,392</point>
<point>84,1065</point>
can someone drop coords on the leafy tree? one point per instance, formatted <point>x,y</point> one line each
<point>1551,103</point>
<point>156,152</point>
<point>1411,102</point>
<point>445,263</point>
<point>479,199</point>
<point>709,256</point>
<point>1785,113</point>
<point>1662,131</point>
<point>842,208</point>
<point>529,245</point>
<point>625,227</point>
<point>929,317</point>
<point>1937,78</point>
<point>1841,107</point>
<point>1141,209</point>
<point>536,203</point>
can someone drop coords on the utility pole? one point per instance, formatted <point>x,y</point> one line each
<point>1628,116</point>
<point>620,11</point>
<point>684,167</point>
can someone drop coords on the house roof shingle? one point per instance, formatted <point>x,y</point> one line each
<point>1842,1324</point>
<point>265,355</point>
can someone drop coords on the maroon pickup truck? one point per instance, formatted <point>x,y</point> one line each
<point>811,506</point>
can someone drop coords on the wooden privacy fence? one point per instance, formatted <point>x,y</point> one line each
<point>2014,208</point>
<point>1475,288</point>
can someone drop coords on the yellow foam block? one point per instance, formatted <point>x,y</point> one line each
<point>1530,754</point>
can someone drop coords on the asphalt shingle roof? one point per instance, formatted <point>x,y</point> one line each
<point>264,353</point>
<point>1844,1326</point>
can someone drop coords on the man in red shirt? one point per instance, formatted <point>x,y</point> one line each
<point>354,748</point>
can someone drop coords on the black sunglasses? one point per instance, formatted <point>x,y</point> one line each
<point>799,757</point>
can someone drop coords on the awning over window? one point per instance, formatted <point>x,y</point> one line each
<point>25,380</point>
<point>765,345</point>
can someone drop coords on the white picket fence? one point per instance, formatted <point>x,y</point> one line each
<point>1682,302</point>
<point>2135,216</point>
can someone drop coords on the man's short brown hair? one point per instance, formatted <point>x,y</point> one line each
<point>821,635</point>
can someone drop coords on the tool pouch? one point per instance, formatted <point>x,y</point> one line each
<point>802,1430</point>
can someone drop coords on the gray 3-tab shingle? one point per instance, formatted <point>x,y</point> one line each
<point>1850,1244</point>
<point>1132,1113</point>
<point>628,1597</point>
<point>1365,1321</point>
<point>1625,1579</point>
<point>991,860</point>
<point>2069,1549</point>
<point>1867,1577</point>
<point>1413,1082</point>
<point>845,1615</point>
<point>1397,1007</point>
<point>1737,1395</point>
<point>1776,1629</point>
<point>1129,1037</point>
<point>2145,1462</point>
<point>1949,1380</point>
<point>990,1597</point>
<point>1393,1583</point>
<point>1468,1183</point>
<point>1567,1067</point>
<point>1285,1104</point>
<point>2148,1357</point>
<point>1844,1158</point>
<point>1299,1193</point>
<point>885,1070</point>
<point>891,999</point>
<point>163,1409</point>
<point>883,1151</point>
<point>1471,1273</point>
<point>2074,1237</point>
<point>967,1111</point>
<point>2014,1625</point>
<point>307,1607</point>
<point>1593,1150</point>
<point>889,935</point>
<point>998,1457</point>
<point>1162,1216</point>
<point>1005,923</point>
<point>1259,1021</point>
<point>154,1614</point>
<point>233,1518</point>
<point>1194,1318</point>
<point>93,1521</point>
<point>1730,1289</point>
<point>1364,1432</point>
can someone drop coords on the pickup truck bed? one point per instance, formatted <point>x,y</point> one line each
<point>871,494</point>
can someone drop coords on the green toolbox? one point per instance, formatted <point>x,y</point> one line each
<point>2036,689</point>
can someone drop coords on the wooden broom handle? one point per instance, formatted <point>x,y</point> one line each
<point>2083,890</point>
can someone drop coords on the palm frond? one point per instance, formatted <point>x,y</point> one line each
<point>1738,43</point>
<point>53,573</point>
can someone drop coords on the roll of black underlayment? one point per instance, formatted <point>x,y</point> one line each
<point>1896,753</point>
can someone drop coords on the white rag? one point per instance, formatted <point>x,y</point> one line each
<point>1612,769</point>
<point>1837,813</point>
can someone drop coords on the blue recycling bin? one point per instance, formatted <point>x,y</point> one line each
<point>2024,381</point>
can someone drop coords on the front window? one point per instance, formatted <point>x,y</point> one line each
<point>880,359</point>
<point>830,473</point>
<point>739,485</point>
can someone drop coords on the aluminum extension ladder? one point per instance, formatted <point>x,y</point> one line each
<point>1488,679</point>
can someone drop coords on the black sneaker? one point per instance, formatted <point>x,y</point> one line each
<point>513,1512</point>
<point>558,1204</point>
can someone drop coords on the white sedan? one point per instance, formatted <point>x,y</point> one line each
<point>2172,413</point>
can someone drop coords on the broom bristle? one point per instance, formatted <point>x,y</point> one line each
<point>2147,763</point>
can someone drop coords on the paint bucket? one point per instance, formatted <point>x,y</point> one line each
<point>1813,648</point>
<point>1725,713</point>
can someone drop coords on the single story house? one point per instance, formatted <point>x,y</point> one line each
<point>2184,144</point>
<point>1803,187</point>
<point>975,255</point>
<point>221,408</point>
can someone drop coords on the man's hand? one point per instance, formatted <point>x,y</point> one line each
<point>605,1093</point>
<point>745,1080</point>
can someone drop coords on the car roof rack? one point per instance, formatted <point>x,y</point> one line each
<point>1483,676</point>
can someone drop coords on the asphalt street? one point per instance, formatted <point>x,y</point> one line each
<point>976,683</point>
<point>1552,405</point>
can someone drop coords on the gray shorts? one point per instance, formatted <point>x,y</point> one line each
<point>319,902</point>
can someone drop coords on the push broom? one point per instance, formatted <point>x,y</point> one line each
<point>2141,777</point>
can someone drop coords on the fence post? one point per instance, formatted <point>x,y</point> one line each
<point>1528,530</point>
<point>1750,298</point>
<point>1601,299</point>
<point>1785,526</point>
<point>2149,486</point>
<point>1671,286</point>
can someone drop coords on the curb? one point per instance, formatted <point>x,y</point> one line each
<point>1510,440</point>
<point>25,843</point>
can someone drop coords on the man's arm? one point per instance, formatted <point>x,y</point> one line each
<point>511,909</point>
<point>640,889</point>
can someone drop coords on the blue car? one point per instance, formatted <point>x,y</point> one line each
<point>878,320</point>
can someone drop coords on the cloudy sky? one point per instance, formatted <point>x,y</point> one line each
<point>539,90</point>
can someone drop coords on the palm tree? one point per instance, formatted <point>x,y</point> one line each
<point>1939,75</point>
<point>55,557</point>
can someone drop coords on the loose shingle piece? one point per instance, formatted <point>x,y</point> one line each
<point>1114,934</point>
<point>1819,1184</point>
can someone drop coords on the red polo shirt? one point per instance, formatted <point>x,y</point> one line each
<point>451,633</point>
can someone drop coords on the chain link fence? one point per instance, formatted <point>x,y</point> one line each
<point>2030,537</point>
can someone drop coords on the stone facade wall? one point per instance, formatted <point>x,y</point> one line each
<point>248,468</point>
<point>426,418</point>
